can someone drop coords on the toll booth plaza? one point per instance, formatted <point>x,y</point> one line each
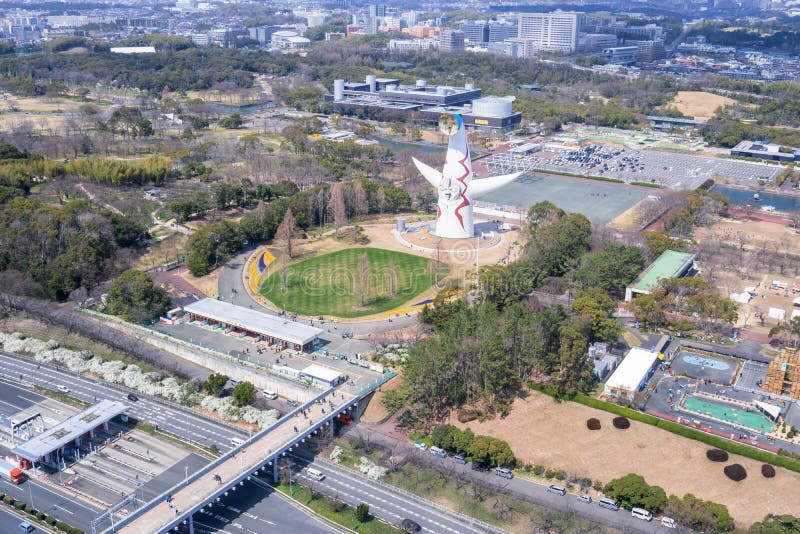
<point>235,319</point>
<point>50,445</point>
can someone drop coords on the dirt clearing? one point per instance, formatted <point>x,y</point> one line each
<point>699,104</point>
<point>543,432</point>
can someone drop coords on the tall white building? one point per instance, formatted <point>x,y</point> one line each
<point>551,32</point>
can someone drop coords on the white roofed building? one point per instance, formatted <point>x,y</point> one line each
<point>277,330</point>
<point>632,374</point>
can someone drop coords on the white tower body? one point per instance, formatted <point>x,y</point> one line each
<point>454,218</point>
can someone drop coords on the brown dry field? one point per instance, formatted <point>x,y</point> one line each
<point>541,431</point>
<point>208,284</point>
<point>754,233</point>
<point>699,104</point>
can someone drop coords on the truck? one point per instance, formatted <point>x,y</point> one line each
<point>11,472</point>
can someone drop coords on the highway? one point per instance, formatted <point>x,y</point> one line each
<point>256,508</point>
<point>71,510</point>
<point>168,417</point>
<point>391,506</point>
<point>9,522</point>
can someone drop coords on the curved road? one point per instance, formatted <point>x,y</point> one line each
<point>231,289</point>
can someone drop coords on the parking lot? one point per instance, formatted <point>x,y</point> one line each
<point>673,170</point>
<point>246,349</point>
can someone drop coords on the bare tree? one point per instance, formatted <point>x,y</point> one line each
<point>288,231</point>
<point>362,281</point>
<point>392,274</point>
<point>381,200</point>
<point>360,204</point>
<point>337,207</point>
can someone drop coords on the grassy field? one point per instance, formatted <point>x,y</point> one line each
<point>330,284</point>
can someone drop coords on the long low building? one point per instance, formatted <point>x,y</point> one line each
<point>632,374</point>
<point>275,330</point>
<point>70,432</point>
<point>670,264</point>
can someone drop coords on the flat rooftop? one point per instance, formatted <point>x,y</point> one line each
<point>322,373</point>
<point>69,429</point>
<point>254,321</point>
<point>669,265</point>
<point>632,370</point>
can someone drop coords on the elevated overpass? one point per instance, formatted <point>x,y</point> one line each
<point>259,454</point>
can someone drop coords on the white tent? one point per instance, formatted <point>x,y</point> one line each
<point>769,409</point>
<point>777,313</point>
<point>741,298</point>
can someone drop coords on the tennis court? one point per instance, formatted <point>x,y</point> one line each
<point>599,201</point>
<point>753,419</point>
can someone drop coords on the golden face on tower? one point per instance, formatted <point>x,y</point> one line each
<point>448,124</point>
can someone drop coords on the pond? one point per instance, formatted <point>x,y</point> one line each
<point>781,202</point>
<point>399,146</point>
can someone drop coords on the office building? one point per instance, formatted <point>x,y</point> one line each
<point>500,31</point>
<point>593,42</point>
<point>648,51</point>
<point>387,99</point>
<point>475,31</point>
<point>551,32</point>
<point>451,41</point>
<point>620,55</point>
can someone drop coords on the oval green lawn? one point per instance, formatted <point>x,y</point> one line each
<point>329,284</point>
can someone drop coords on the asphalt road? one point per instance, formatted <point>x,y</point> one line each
<point>177,421</point>
<point>231,289</point>
<point>390,506</point>
<point>256,508</point>
<point>72,511</point>
<point>522,488</point>
<point>9,522</point>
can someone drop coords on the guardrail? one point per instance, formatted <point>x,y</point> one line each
<point>421,500</point>
<point>216,463</point>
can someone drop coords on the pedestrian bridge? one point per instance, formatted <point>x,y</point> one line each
<point>257,455</point>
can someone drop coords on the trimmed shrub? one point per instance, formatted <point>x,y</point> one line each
<point>621,422</point>
<point>767,470</point>
<point>717,455</point>
<point>593,424</point>
<point>735,472</point>
<point>783,459</point>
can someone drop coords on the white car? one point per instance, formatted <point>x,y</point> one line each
<point>668,522</point>
<point>63,389</point>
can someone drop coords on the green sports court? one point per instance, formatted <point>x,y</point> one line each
<point>753,419</point>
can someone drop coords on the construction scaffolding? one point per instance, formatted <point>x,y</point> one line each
<point>783,374</point>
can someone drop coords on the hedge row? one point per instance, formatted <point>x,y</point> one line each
<point>685,431</point>
<point>574,175</point>
<point>22,506</point>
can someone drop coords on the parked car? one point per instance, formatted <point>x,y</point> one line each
<point>408,525</point>
<point>585,497</point>
<point>292,403</point>
<point>479,466</point>
<point>558,490</point>
<point>503,472</point>
<point>668,522</point>
<point>421,446</point>
<point>459,459</point>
